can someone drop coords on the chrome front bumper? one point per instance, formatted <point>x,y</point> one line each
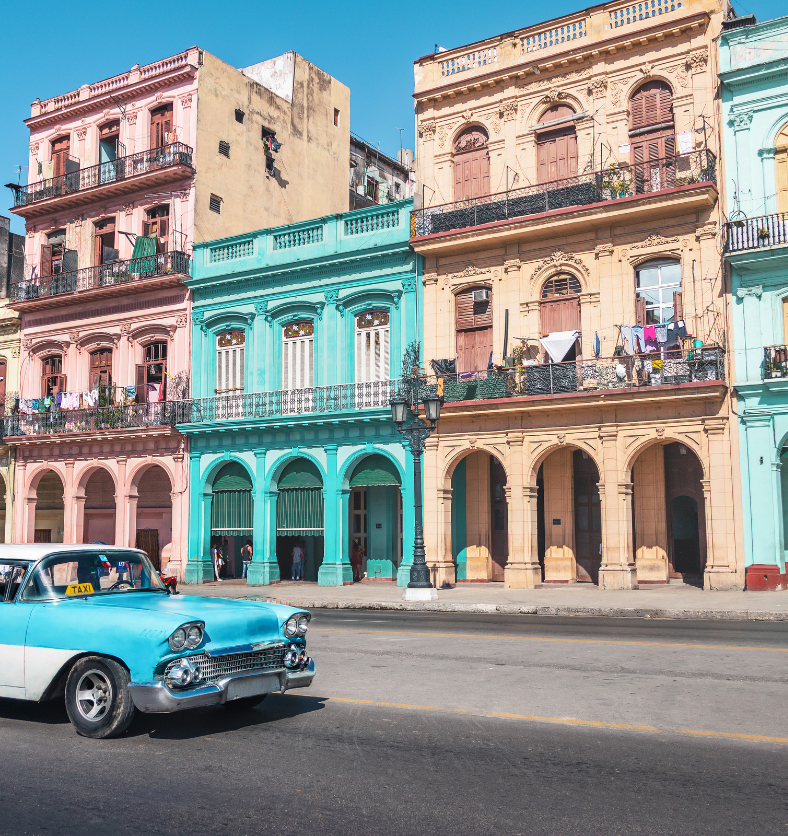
<point>157,698</point>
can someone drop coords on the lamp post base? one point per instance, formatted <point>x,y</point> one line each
<point>420,594</point>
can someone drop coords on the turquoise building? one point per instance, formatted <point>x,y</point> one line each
<point>298,337</point>
<point>753,61</point>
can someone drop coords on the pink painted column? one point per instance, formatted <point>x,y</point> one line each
<point>122,505</point>
<point>68,505</point>
<point>19,535</point>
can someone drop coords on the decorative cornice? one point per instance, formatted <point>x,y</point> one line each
<point>470,270</point>
<point>597,87</point>
<point>698,60</point>
<point>741,121</point>
<point>754,290</point>
<point>511,265</point>
<point>655,240</point>
<point>557,258</point>
<point>508,110</point>
<point>427,130</point>
<point>706,231</point>
<point>603,249</point>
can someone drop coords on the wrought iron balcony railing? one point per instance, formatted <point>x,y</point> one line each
<point>775,361</point>
<point>131,416</point>
<point>104,173</point>
<point>106,275</point>
<point>756,233</point>
<point>581,190</point>
<point>669,368</point>
<point>318,400</point>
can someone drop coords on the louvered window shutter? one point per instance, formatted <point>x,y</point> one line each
<point>678,306</point>
<point>372,354</point>
<point>297,363</point>
<point>640,310</point>
<point>464,305</point>
<point>142,392</point>
<point>46,260</point>
<point>230,368</point>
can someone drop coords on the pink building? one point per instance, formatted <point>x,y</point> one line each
<point>124,175</point>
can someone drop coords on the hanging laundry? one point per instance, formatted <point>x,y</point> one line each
<point>650,333</point>
<point>621,371</point>
<point>153,392</point>
<point>59,400</point>
<point>24,406</point>
<point>638,334</point>
<point>673,334</point>
<point>682,329</point>
<point>662,334</point>
<point>557,344</point>
<point>627,339</point>
<point>597,344</point>
<point>131,391</point>
<point>34,404</point>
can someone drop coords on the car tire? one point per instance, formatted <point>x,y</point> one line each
<point>98,701</point>
<point>245,703</point>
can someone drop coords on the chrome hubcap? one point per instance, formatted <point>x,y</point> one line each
<point>94,695</point>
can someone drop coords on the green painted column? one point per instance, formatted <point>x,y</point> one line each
<point>408,523</point>
<point>264,568</point>
<point>198,567</point>
<point>335,569</point>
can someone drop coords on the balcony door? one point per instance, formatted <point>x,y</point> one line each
<point>652,137</point>
<point>101,369</point>
<point>556,146</point>
<point>298,366</point>
<point>60,151</point>
<point>160,126</point>
<point>372,359</point>
<point>559,309</point>
<point>52,378</point>
<point>105,247</point>
<point>110,150</point>
<point>474,330</point>
<point>471,164</point>
<point>157,225</point>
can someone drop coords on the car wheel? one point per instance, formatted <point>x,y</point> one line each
<point>245,703</point>
<point>98,701</point>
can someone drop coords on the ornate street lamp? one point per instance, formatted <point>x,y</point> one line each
<point>416,433</point>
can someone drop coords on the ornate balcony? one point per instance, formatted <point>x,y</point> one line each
<point>118,277</point>
<point>756,233</point>
<point>775,362</point>
<point>146,169</point>
<point>625,184</point>
<point>283,403</point>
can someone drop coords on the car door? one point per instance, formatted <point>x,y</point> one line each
<point>14,616</point>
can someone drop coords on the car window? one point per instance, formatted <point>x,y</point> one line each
<point>11,576</point>
<point>77,574</point>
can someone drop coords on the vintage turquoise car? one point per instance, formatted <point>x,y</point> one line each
<point>96,625</point>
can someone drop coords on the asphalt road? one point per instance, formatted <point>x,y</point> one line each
<point>444,723</point>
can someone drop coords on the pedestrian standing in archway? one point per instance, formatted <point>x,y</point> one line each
<point>216,559</point>
<point>246,556</point>
<point>356,556</point>
<point>298,561</point>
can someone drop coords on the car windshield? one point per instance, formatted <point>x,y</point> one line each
<point>73,574</point>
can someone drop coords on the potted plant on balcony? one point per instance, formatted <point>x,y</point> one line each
<point>763,234</point>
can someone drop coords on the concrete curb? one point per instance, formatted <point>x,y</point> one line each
<point>518,609</point>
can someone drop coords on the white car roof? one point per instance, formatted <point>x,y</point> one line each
<point>35,551</point>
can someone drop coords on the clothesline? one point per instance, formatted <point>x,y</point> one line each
<point>643,339</point>
<point>89,399</point>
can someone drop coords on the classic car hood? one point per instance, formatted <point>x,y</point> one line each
<point>227,622</point>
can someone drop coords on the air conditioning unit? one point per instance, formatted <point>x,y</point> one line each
<point>481,295</point>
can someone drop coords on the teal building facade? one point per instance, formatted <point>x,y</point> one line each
<point>298,337</point>
<point>753,62</point>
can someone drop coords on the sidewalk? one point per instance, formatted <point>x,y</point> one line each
<point>673,601</point>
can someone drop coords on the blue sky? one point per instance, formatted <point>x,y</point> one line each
<point>50,49</point>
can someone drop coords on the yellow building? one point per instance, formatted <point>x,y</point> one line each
<point>574,302</point>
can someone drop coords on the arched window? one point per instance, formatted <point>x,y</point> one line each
<point>372,346</point>
<point>781,168</point>
<point>474,325</point>
<point>161,132</point>
<point>658,287</point>
<point>230,361</point>
<point>471,164</point>
<point>52,378</point>
<point>556,144</point>
<point>563,284</point>
<point>61,148</point>
<point>297,355</point>
<point>652,137</point>
<point>101,368</point>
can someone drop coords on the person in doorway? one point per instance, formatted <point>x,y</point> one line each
<point>216,559</point>
<point>225,556</point>
<point>246,556</point>
<point>298,561</point>
<point>356,556</point>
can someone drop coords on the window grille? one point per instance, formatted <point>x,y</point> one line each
<point>215,204</point>
<point>239,116</point>
<point>224,148</point>
<point>561,285</point>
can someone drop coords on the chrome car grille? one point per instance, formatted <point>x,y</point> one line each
<point>219,667</point>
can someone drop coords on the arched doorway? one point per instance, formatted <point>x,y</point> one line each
<point>300,517</point>
<point>559,312</point>
<point>474,328</point>
<point>49,516</point>
<point>100,506</point>
<point>652,137</point>
<point>232,509</point>
<point>479,518</point>
<point>570,516</point>
<point>154,515</point>
<point>376,516</point>
<point>669,515</point>
<point>556,144</point>
<point>471,164</point>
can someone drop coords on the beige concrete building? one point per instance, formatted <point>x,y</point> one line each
<point>574,304</point>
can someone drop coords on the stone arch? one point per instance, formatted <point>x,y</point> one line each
<point>150,511</point>
<point>467,126</point>
<point>559,262</point>
<point>136,473</point>
<point>88,471</point>
<point>282,461</point>
<point>358,456</point>
<point>639,82</point>
<point>206,485</point>
<point>574,444</point>
<point>450,464</point>
<point>34,477</point>
<point>97,510</point>
<point>46,506</point>
<point>633,454</point>
<point>470,285</point>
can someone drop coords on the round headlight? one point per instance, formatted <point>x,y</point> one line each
<point>193,635</point>
<point>303,625</point>
<point>291,627</point>
<point>178,639</point>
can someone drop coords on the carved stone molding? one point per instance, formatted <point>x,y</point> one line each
<point>78,221</point>
<point>427,130</point>
<point>186,101</point>
<point>443,133</point>
<point>617,88</point>
<point>429,278</point>
<point>181,321</point>
<point>128,208</point>
<point>706,231</point>
<point>511,265</point>
<point>660,432</point>
<point>34,148</point>
<point>409,284</point>
<point>557,258</point>
<point>331,296</point>
<point>82,133</point>
<point>755,290</point>
<point>508,110</point>
<point>597,87</point>
<point>679,72</point>
<point>646,70</point>
<point>261,308</point>
<point>470,270</point>
<point>131,118</point>
<point>741,121</point>
<point>554,95</point>
<point>467,115</point>
<point>603,249</point>
<point>697,61</point>
<point>655,240</point>
<point>27,343</point>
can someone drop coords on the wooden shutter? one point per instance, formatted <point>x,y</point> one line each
<point>651,105</point>
<point>640,310</point>
<point>46,260</point>
<point>473,349</point>
<point>60,150</point>
<point>678,306</point>
<point>141,383</point>
<point>372,354</point>
<point>160,126</point>
<point>297,363</point>
<point>560,314</point>
<point>470,314</point>
<point>3,384</point>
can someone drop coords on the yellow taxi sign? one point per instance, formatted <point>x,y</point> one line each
<point>80,589</point>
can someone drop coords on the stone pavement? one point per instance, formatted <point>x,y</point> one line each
<point>675,600</point>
